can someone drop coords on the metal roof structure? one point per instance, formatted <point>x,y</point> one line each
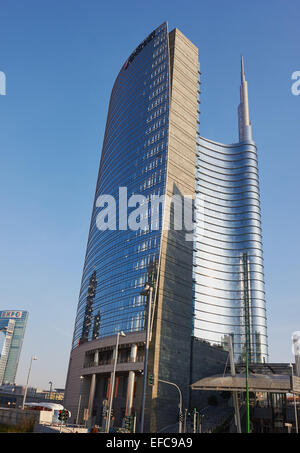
<point>274,383</point>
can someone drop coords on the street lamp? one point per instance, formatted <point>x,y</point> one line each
<point>112,387</point>
<point>79,401</point>
<point>50,391</point>
<point>147,291</point>
<point>185,420</point>
<point>179,405</point>
<point>295,405</point>
<point>26,388</point>
<point>201,417</point>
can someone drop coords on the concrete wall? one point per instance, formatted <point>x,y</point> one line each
<point>207,361</point>
<point>19,416</point>
<point>51,429</point>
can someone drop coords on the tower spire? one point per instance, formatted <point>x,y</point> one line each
<point>245,129</point>
<point>242,69</point>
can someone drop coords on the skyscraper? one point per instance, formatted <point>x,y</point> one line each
<point>152,157</point>
<point>149,149</point>
<point>228,260</point>
<point>12,326</point>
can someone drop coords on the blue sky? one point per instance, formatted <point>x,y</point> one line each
<point>60,59</point>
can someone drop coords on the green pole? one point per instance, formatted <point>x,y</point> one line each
<point>247,332</point>
<point>247,393</point>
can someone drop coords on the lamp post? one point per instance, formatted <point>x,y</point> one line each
<point>79,401</point>
<point>201,417</point>
<point>147,291</point>
<point>50,391</point>
<point>295,404</point>
<point>112,387</point>
<point>26,388</point>
<point>247,393</point>
<point>185,420</point>
<point>180,405</point>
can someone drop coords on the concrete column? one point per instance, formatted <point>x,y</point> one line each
<point>96,358</point>
<point>133,353</point>
<point>92,389</point>
<point>130,385</point>
<point>91,397</point>
<point>130,388</point>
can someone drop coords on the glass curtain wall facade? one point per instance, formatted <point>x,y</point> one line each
<point>134,157</point>
<point>229,296</point>
<point>12,325</point>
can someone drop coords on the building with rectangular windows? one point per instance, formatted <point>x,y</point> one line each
<point>12,331</point>
<point>202,289</point>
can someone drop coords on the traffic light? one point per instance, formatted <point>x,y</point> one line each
<point>129,422</point>
<point>63,415</point>
<point>151,379</point>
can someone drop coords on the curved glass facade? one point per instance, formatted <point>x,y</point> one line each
<point>229,297</point>
<point>134,156</point>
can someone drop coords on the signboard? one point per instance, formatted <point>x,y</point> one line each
<point>11,314</point>
<point>138,49</point>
